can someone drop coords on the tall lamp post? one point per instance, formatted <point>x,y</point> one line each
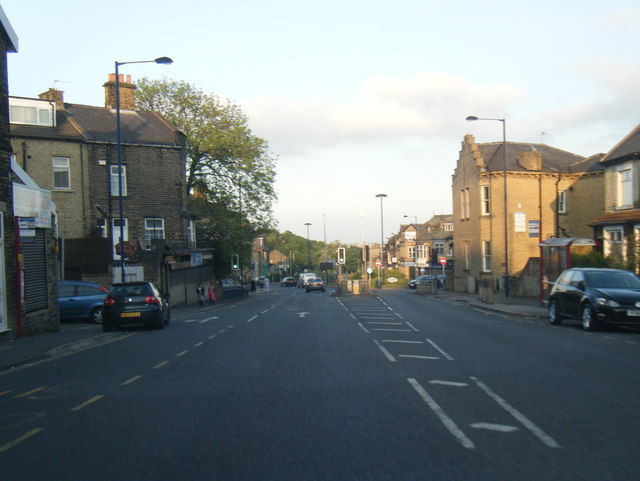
<point>380,270</point>
<point>507,289</point>
<point>160,60</point>
<point>415,243</point>
<point>308,246</point>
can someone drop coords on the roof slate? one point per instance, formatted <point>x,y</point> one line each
<point>620,217</point>
<point>553,160</point>
<point>627,148</point>
<point>98,124</point>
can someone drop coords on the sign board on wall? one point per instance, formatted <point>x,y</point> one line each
<point>520,221</point>
<point>534,228</point>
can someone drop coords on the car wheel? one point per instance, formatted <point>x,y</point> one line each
<point>554,317</point>
<point>96,315</point>
<point>589,321</point>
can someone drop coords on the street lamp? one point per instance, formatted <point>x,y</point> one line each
<point>380,271</point>
<point>308,246</point>
<point>160,60</point>
<point>507,289</point>
<point>415,243</point>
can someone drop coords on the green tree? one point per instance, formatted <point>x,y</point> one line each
<point>229,171</point>
<point>226,163</point>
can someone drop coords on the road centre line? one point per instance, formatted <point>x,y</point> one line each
<point>441,351</point>
<point>265,311</point>
<point>162,364</point>
<point>391,330</point>
<point>444,418</point>
<point>6,392</point>
<point>386,323</point>
<point>182,353</point>
<point>354,317</point>
<point>401,342</point>
<point>17,441</point>
<point>133,379</point>
<point>29,393</point>
<point>86,403</point>
<point>387,354</point>
<point>535,430</point>
<point>412,326</point>
<point>449,383</point>
<point>198,344</point>
<point>211,336</point>
<point>363,328</point>
<point>431,358</point>
<point>254,317</point>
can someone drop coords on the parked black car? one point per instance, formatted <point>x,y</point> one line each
<point>426,279</point>
<point>596,297</point>
<point>135,304</point>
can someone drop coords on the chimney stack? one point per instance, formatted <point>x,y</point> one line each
<point>54,95</point>
<point>127,92</point>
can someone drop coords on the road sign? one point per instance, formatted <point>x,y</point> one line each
<point>442,260</point>
<point>378,262</point>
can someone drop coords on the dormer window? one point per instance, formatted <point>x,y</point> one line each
<point>31,112</point>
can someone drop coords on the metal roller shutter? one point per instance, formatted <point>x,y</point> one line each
<point>35,273</point>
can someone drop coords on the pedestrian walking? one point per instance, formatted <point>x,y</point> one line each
<point>200,292</point>
<point>212,294</point>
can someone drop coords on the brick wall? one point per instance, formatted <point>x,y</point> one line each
<point>73,207</point>
<point>155,188</point>
<point>6,201</point>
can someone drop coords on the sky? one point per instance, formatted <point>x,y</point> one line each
<point>358,98</point>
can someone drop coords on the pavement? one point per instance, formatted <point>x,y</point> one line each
<point>72,337</point>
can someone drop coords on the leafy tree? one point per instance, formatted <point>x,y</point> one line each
<point>229,171</point>
<point>226,162</point>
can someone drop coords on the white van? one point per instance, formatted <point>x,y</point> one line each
<point>302,280</point>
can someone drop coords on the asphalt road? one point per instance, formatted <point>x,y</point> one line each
<point>295,386</point>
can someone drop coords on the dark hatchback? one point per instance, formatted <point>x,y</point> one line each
<point>135,304</point>
<point>596,297</point>
<point>314,284</point>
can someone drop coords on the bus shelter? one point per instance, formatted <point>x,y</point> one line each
<point>555,257</point>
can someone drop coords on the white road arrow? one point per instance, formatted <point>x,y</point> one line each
<point>302,314</point>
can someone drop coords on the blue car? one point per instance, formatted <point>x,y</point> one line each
<point>79,300</point>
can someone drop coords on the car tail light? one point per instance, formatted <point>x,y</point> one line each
<point>103,289</point>
<point>109,301</point>
<point>151,300</point>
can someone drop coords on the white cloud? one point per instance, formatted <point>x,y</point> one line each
<point>623,19</point>
<point>428,104</point>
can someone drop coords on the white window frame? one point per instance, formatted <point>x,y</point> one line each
<point>60,165</point>
<point>614,235</point>
<point>113,176</point>
<point>412,252</point>
<point>31,112</point>
<point>562,202</point>
<point>485,193</point>
<point>115,233</point>
<point>151,231</point>
<point>624,183</point>
<point>486,256</point>
<point>448,226</point>
<point>421,251</point>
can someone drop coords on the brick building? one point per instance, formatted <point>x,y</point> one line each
<point>9,311</point>
<point>71,150</point>
<point>550,193</point>
<point>430,241</point>
<point>618,229</point>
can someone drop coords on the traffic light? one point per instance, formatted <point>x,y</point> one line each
<point>235,262</point>
<point>342,255</point>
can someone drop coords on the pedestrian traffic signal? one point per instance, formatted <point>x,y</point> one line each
<point>342,255</point>
<point>235,262</point>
